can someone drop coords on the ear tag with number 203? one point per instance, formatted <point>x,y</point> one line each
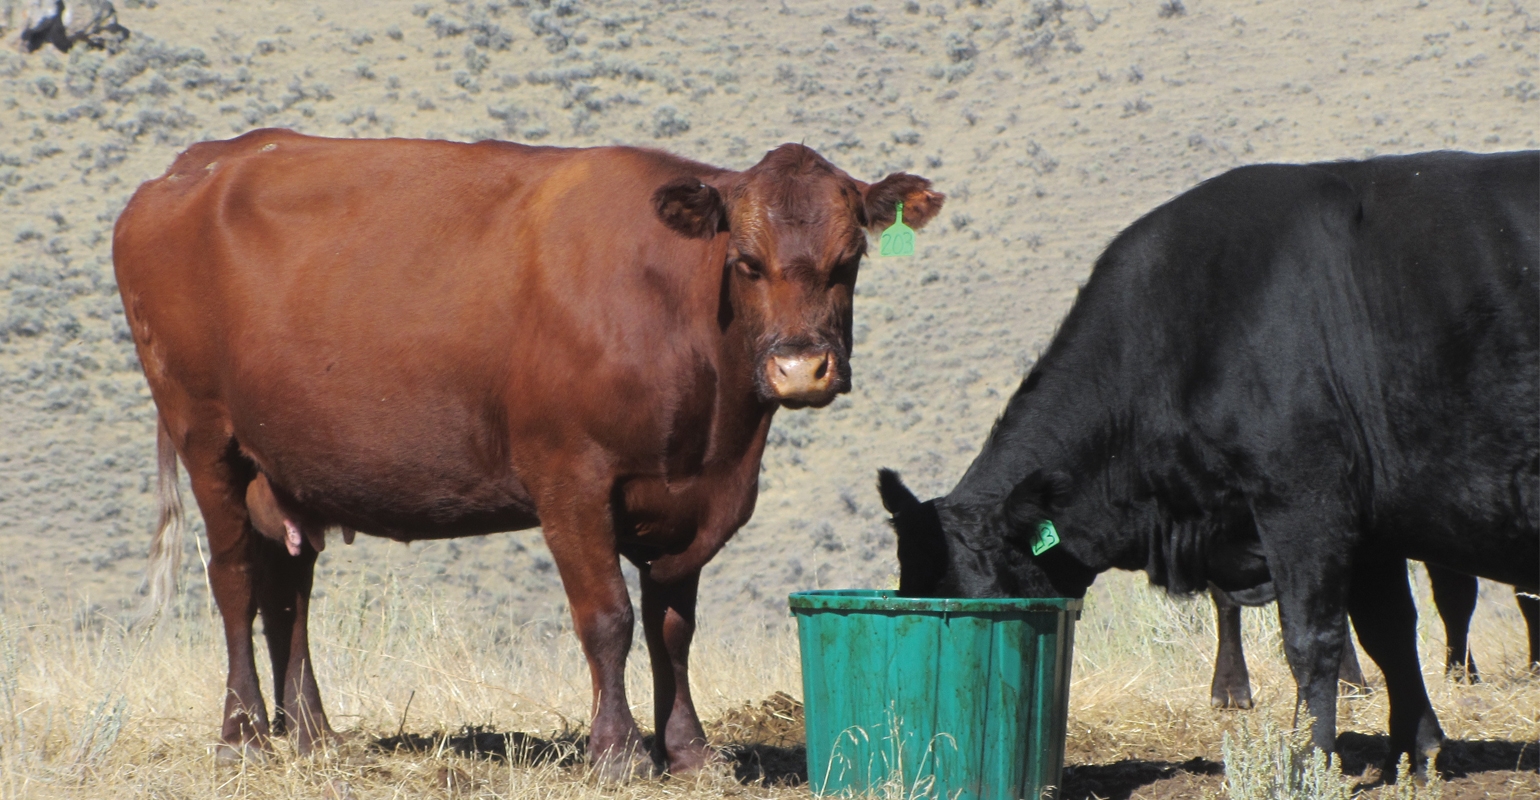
<point>1047,536</point>
<point>898,239</point>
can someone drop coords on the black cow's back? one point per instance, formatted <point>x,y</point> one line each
<point>1366,323</point>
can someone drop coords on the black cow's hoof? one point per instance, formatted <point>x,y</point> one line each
<point>1231,700</point>
<point>1462,673</point>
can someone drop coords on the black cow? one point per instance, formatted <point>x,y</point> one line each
<point>1299,373</point>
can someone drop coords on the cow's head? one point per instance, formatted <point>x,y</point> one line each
<point>796,228</point>
<point>949,548</point>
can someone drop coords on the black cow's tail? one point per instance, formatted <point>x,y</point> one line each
<point>166,546</point>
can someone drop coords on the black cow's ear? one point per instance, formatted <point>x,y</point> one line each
<point>691,208</point>
<point>1025,506</point>
<point>880,201</point>
<point>1057,486</point>
<point>896,497</point>
<point>1035,499</point>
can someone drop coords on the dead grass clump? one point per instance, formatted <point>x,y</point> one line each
<point>776,720</point>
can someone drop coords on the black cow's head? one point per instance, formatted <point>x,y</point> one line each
<point>951,548</point>
<point>796,227</point>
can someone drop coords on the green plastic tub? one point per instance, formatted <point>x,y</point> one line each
<point>954,698</point>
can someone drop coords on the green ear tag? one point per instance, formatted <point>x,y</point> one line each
<point>898,239</point>
<point>1047,536</point>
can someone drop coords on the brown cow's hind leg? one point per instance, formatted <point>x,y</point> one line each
<point>220,490</point>
<point>284,600</point>
<point>668,618</point>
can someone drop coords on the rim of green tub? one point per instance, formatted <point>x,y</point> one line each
<point>888,600</point>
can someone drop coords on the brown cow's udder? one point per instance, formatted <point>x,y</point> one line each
<point>269,518</point>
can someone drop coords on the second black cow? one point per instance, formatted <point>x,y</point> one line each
<point>1299,373</point>
<point>1454,595</point>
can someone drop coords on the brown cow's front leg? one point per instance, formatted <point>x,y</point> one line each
<point>284,602</point>
<point>232,576</point>
<point>668,618</point>
<point>586,557</point>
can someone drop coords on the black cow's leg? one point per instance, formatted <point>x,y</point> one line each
<point>1455,595</point>
<point>284,600</point>
<point>1529,605</point>
<point>668,617</point>
<point>1380,601</point>
<point>582,543</point>
<point>1310,580</point>
<point>1231,687</point>
<point>220,489</point>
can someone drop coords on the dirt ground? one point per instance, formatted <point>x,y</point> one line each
<point>1049,125</point>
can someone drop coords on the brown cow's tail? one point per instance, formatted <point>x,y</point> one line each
<point>166,546</point>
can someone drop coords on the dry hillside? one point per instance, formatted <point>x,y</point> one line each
<point>1050,126</point>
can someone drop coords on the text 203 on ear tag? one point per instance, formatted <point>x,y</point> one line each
<point>1047,536</point>
<point>898,239</point>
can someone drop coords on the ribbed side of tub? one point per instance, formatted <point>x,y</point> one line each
<point>960,698</point>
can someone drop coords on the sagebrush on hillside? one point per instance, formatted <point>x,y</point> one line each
<point>1050,126</point>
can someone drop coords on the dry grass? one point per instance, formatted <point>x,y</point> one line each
<point>89,709</point>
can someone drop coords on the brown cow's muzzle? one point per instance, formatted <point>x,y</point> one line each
<point>804,378</point>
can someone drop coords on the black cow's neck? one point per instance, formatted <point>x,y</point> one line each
<point>1064,425</point>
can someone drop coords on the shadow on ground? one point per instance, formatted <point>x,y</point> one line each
<point>562,749</point>
<point>1360,754</point>
<point>1457,759</point>
<point>752,763</point>
<point>786,764</point>
<point>1120,779</point>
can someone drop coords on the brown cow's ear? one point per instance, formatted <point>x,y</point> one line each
<point>921,205</point>
<point>690,207</point>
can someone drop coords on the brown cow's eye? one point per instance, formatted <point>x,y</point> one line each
<point>750,268</point>
<point>844,273</point>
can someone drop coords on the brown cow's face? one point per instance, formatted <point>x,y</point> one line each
<point>797,231</point>
<point>796,244</point>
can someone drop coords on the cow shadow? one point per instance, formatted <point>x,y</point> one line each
<point>774,765</point>
<point>473,741</point>
<point>752,763</point>
<point>1357,751</point>
<point>1457,758</point>
<point>766,764</point>
<point>1120,779</point>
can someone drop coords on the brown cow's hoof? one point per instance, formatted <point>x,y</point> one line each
<point>315,743</point>
<point>230,755</point>
<point>621,765</point>
<point>693,759</point>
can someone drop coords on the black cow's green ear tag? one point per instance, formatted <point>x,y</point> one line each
<point>898,239</point>
<point>1047,536</point>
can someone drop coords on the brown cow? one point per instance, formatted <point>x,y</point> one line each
<point>425,339</point>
